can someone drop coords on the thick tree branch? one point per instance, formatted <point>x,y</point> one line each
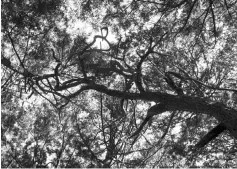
<point>222,113</point>
<point>211,135</point>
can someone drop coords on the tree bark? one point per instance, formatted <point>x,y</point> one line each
<point>224,114</point>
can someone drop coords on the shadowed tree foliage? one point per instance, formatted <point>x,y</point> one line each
<point>119,83</point>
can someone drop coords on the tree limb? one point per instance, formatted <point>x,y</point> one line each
<point>182,103</point>
<point>212,134</point>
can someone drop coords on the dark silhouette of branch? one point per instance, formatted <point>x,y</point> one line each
<point>211,135</point>
<point>172,84</point>
<point>208,86</point>
<point>14,48</point>
<point>154,110</point>
<point>175,103</point>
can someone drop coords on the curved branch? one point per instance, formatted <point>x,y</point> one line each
<point>154,110</point>
<point>138,80</point>
<point>208,86</point>
<point>172,103</point>
<point>107,31</point>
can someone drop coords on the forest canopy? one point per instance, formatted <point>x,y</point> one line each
<point>120,83</point>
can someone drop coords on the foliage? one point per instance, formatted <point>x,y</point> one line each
<point>73,97</point>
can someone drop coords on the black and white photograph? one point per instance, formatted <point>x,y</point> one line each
<point>118,83</point>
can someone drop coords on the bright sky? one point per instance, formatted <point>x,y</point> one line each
<point>81,27</point>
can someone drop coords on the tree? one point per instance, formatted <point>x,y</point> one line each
<point>145,98</point>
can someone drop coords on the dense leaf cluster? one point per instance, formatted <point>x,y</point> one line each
<point>141,89</point>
